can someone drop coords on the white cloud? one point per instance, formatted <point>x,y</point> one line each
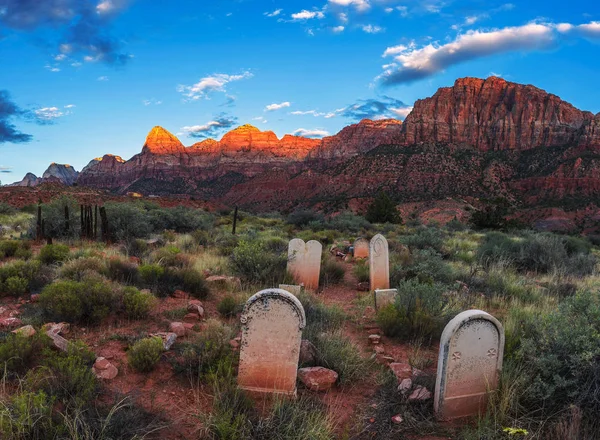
<point>401,112</point>
<point>70,106</point>
<point>76,64</point>
<point>394,50</point>
<point>200,128</point>
<point>371,29</point>
<point>60,57</point>
<point>314,133</point>
<point>48,113</point>
<point>403,10</point>
<point>360,5</point>
<point>389,10</point>
<point>275,13</point>
<point>338,29</point>
<point>273,107</point>
<point>343,17</point>
<point>308,112</point>
<point>214,83</point>
<point>152,101</point>
<point>104,7</point>
<point>417,63</point>
<point>307,15</point>
<point>587,30</point>
<point>103,78</point>
<point>65,48</point>
<point>52,68</point>
<point>260,119</point>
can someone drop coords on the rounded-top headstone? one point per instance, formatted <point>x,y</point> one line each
<point>469,364</point>
<point>379,263</point>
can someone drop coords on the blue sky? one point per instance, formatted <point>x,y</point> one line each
<point>83,78</point>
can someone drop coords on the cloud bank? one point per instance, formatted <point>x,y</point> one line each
<point>212,129</point>
<point>8,112</point>
<point>210,84</point>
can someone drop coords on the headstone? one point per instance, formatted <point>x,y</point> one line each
<point>292,288</point>
<point>383,297</point>
<point>304,262</point>
<point>470,361</point>
<point>272,323</point>
<point>361,248</point>
<point>379,263</point>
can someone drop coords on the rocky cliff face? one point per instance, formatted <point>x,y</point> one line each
<point>495,114</point>
<point>62,173</point>
<point>29,180</point>
<point>160,141</point>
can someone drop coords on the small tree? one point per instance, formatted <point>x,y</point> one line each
<point>383,210</point>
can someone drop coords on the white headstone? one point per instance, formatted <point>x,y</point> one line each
<point>292,288</point>
<point>361,248</point>
<point>304,262</point>
<point>379,263</point>
<point>383,297</point>
<point>469,364</point>
<point>272,323</point>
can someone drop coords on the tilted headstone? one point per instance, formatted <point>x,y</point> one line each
<point>383,297</point>
<point>292,288</point>
<point>379,263</point>
<point>304,262</point>
<point>272,323</point>
<point>469,365</point>
<point>361,248</point>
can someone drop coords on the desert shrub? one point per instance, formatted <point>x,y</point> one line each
<point>6,209</point>
<point>251,261</point>
<point>28,416</point>
<point>560,352</point>
<point>67,376</point>
<point>346,221</point>
<point>150,275</point>
<point>425,237</point>
<point>332,272</point>
<point>320,317</point>
<point>136,247</point>
<point>208,352</point>
<point>128,220</point>
<point>493,215</point>
<point>420,312</point>
<point>455,225</point>
<point>180,219</point>
<point>538,252</point>
<point>426,265</point>
<point>23,253</point>
<point>76,269</point>
<point>16,285</point>
<point>338,353</point>
<point>383,210</point>
<point>88,301</point>
<point>8,248</point>
<point>55,224</point>
<point>362,271</point>
<point>137,305</point>
<point>145,354</point>
<point>170,279</point>
<point>193,282</point>
<point>171,256</point>
<point>19,353</point>
<point>304,217</point>
<point>227,307</point>
<point>54,253</point>
<point>122,270</point>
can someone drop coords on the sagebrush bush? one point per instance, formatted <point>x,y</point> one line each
<point>16,285</point>
<point>76,269</point>
<point>54,253</point>
<point>425,238</point>
<point>227,307</point>
<point>332,272</point>
<point>320,318</point>
<point>87,301</point>
<point>419,313</point>
<point>28,416</point>
<point>426,265</point>
<point>349,222</point>
<point>362,271</point>
<point>137,305</point>
<point>252,262</point>
<point>23,276</point>
<point>19,353</point>
<point>150,275</point>
<point>8,248</point>
<point>304,217</point>
<point>145,354</point>
<point>122,270</point>
<point>208,351</point>
<point>171,256</point>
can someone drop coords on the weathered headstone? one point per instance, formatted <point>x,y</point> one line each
<point>304,262</point>
<point>272,323</point>
<point>383,297</point>
<point>379,263</point>
<point>361,248</point>
<point>292,288</point>
<point>470,361</point>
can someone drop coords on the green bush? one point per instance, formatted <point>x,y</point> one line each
<point>420,312</point>
<point>88,301</point>
<point>209,351</point>
<point>150,275</point>
<point>77,269</point>
<point>137,304</point>
<point>320,318</point>
<point>122,270</point>
<point>145,354</point>
<point>304,217</point>
<point>252,262</point>
<point>16,285</point>
<point>383,210</point>
<point>346,221</point>
<point>425,237</point>
<point>362,271</point>
<point>332,272</point>
<point>171,256</point>
<point>128,220</point>
<point>19,353</point>
<point>28,416</point>
<point>54,253</point>
<point>227,307</point>
<point>8,248</point>
<point>426,265</point>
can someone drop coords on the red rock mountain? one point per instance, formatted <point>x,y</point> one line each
<point>476,139</point>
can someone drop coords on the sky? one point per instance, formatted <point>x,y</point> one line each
<point>81,78</point>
